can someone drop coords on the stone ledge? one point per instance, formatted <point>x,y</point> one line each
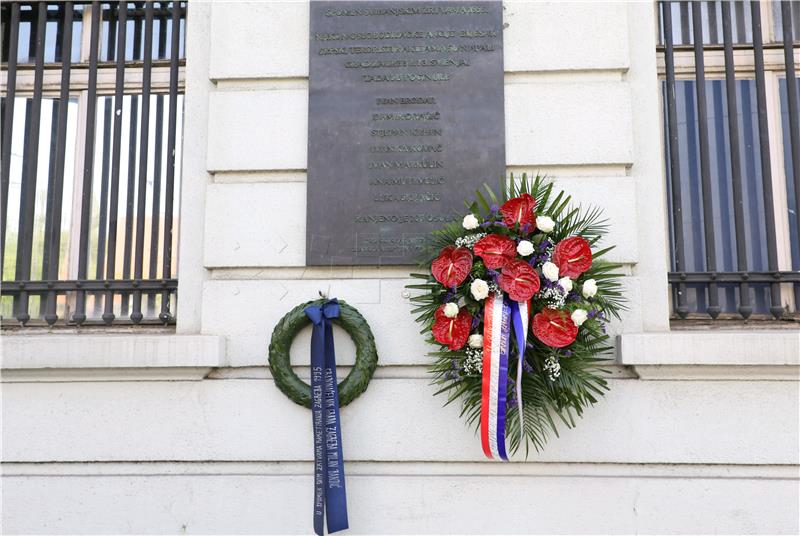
<point>711,348</point>
<point>112,351</point>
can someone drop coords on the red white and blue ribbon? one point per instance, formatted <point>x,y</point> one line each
<point>499,314</point>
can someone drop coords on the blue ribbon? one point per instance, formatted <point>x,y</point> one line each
<point>330,496</point>
<point>519,331</point>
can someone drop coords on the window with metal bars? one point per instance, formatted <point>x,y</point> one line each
<point>732,140</point>
<point>92,108</point>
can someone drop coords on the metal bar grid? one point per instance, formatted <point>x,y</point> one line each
<point>748,178</point>
<point>91,262</point>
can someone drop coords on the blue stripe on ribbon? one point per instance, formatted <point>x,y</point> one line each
<point>330,495</point>
<point>502,382</point>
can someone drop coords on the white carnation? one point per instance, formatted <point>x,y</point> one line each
<point>479,289</point>
<point>579,316</point>
<point>545,224</point>
<point>550,271</point>
<point>475,341</point>
<point>524,248</point>
<point>589,288</point>
<point>565,283</point>
<point>451,310</point>
<point>470,222</point>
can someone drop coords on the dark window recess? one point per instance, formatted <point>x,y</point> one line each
<point>731,257</point>
<point>90,165</point>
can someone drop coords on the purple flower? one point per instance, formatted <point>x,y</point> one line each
<point>593,313</point>
<point>544,245</point>
<point>567,353</point>
<point>573,296</point>
<point>526,367</point>
<point>495,209</point>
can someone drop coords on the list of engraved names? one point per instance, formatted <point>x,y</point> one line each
<point>405,121</point>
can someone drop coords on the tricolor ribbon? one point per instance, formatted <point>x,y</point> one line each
<point>499,315</point>
<point>330,496</point>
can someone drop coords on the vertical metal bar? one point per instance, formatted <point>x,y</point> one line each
<point>674,160</point>
<point>54,239</point>
<point>51,177</point>
<point>684,20</point>
<point>59,51</point>
<point>119,94</point>
<point>157,161</point>
<point>741,32</point>
<point>791,100</point>
<point>766,169</point>
<point>79,317</point>
<point>104,173</point>
<point>28,191</point>
<point>132,141</point>
<point>8,124</point>
<point>713,26</point>
<point>141,197</point>
<point>736,163</point>
<point>705,171</point>
<point>166,268</point>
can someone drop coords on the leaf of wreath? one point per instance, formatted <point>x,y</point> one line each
<point>287,329</point>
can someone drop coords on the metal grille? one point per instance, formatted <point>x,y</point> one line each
<point>733,158</point>
<point>91,116</point>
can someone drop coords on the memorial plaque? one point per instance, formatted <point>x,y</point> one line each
<point>405,121</point>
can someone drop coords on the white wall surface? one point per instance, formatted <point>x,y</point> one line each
<point>699,433</point>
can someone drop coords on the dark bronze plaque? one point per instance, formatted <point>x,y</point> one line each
<point>405,121</point>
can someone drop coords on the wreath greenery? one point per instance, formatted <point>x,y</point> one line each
<point>560,377</point>
<point>287,329</point>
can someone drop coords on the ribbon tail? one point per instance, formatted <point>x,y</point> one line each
<point>520,314</point>
<point>502,378</point>
<point>336,494</point>
<point>317,367</point>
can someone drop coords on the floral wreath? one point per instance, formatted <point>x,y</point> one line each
<point>517,298</point>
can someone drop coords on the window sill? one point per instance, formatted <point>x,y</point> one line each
<point>112,356</point>
<point>757,354</point>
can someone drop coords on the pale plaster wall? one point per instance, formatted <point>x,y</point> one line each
<point>188,434</point>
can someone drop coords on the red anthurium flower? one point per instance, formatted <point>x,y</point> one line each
<point>452,266</point>
<point>573,256</point>
<point>554,328</point>
<point>519,280</point>
<point>495,250</point>
<point>519,210</point>
<point>453,332</point>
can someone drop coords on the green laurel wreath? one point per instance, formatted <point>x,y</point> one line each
<point>287,329</point>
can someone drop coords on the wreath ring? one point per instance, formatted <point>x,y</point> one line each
<point>287,329</point>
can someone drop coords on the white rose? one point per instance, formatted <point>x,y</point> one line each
<point>545,223</point>
<point>524,248</point>
<point>470,222</point>
<point>565,283</point>
<point>589,288</point>
<point>479,289</point>
<point>475,341</point>
<point>579,316</point>
<point>550,271</point>
<point>451,310</point>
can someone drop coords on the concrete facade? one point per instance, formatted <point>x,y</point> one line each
<point>187,433</point>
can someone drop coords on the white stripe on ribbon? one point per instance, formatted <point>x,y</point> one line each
<point>524,312</point>
<point>495,341</point>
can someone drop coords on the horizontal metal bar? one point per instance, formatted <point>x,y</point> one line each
<point>15,287</point>
<point>734,277</point>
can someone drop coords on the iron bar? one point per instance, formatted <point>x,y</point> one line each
<point>79,317</point>
<point>28,190</point>
<point>166,268</point>
<point>705,171</point>
<point>130,190</point>
<point>674,161</point>
<point>157,161</point>
<point>791,100</point>
<point>65,285</point>
<point>136,314</point>
<point>8,124</point>
<point>119,96</point>
<point>745,308</point>
<point>766,170</point>
<point>54,239</point>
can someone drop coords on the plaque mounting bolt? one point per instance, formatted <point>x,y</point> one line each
<point>405,294</point>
